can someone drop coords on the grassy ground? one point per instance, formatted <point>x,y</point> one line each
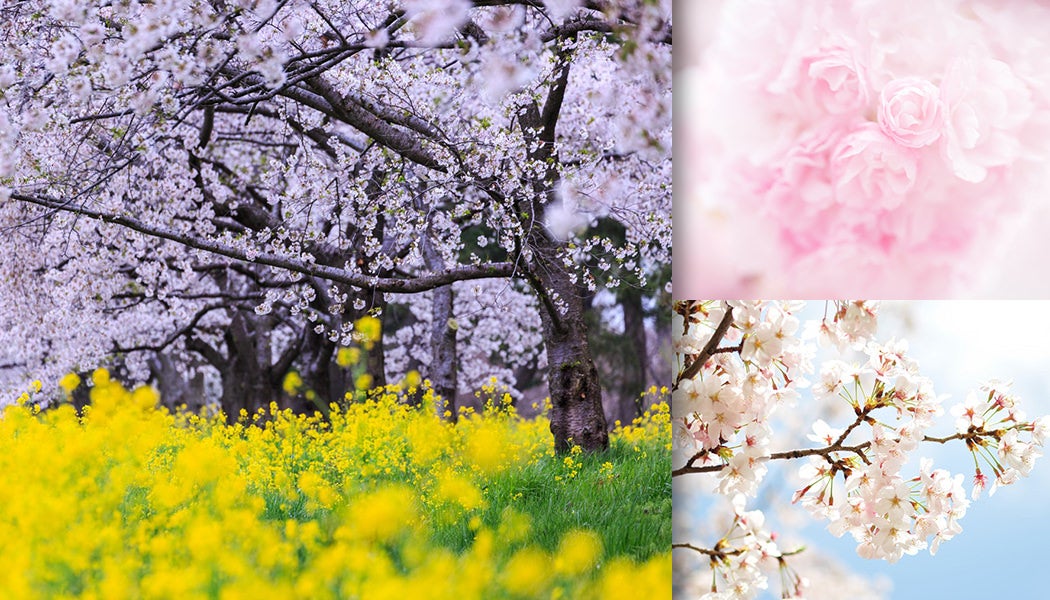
<point>624,495</point>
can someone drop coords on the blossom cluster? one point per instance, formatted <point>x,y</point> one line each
<point>725,413</point>
<point>737,356</point>
<point>875,149</point>
<point>888,514</point>
<point>379,500</point>
<point>738,556</point>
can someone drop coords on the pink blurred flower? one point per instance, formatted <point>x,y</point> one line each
<point>797,190</point>
<point>911,112</point>
<point>833,81</point>
<point>870,169</point>
<point>844,147</point>
<point>799,181</point>
<point>987,105</point>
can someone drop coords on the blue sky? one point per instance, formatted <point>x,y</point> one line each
<point>1001,549</point>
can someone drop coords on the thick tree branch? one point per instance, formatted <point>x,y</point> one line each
<point>323,98</point>
<point>206,350</point>
<point>714,554</point>
<point>420,283</point>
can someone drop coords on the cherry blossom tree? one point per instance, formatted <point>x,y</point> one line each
<point>236,184</point>
<point>741,362</point>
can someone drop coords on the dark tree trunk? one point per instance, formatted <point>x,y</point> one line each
<point>443,367</point>
<point>376,356</point>
<point>576,415</point>
<point>174,388</point>
<point>316,373</point>
<point>443,353</point>
<point>637,356</point>
<point>376,363</point>
<point>248,381</point>
<point>397,318</point>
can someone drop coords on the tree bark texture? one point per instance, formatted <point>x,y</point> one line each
<point>636,358</point>
<point>443,351</point>
<point>577,416</point>
<point>248,382</point>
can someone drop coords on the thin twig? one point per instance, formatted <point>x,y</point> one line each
<point>710,348</point>
<point>826,452</point>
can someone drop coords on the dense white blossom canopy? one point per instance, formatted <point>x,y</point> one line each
<point>167,165</point>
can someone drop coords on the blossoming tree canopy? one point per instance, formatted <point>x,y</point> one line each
<point>170,164</point>
<point>742,362</point>
<point>852,148</point>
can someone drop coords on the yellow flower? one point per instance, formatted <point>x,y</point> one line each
<point>348,357</point>
<point>486,447</point>
<point>343,505</point>
<point>622,579</point>
<point>292,383</point>
<point>316,489</point>
<point>383,514</point>
<point>412,379</point>
<point>369,330</point>
<point>145,397</point>
<point>526,573</point>
<point>363,382</point>
<point>107,395</point>
<point>459,490</point>
<point>68,383</point>
<point>514,526</point>
<point>578,552</point>
<point>100,376</point>
<point>204,462</point>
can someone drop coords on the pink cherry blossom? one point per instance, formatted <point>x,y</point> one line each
<point>799,178</point>
<point>970,413</point>
<point>1040,430</point>
<point>823,433</point>
<point>987,106</point>
<point>840,147</point>
<point>980,481</point>
<point>911,112</point>
<point>834,81</point>
<point>856,483</point>
<point>741,475</point>
<point>872,171</point>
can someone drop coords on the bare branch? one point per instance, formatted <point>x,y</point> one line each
<point>419,283</point>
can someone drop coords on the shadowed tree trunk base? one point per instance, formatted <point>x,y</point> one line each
<point>577,416</point>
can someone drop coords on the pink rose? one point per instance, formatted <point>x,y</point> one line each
<point>800,177</point>
<point>869,168</point>
<point>988,107</point>
<point>834,82</point>
<point>911,112</point>
<point>796,191</point>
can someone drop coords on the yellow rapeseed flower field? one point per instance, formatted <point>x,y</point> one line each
<point>375,500</point>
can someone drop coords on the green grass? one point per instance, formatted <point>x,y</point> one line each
<point>630,510</point>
